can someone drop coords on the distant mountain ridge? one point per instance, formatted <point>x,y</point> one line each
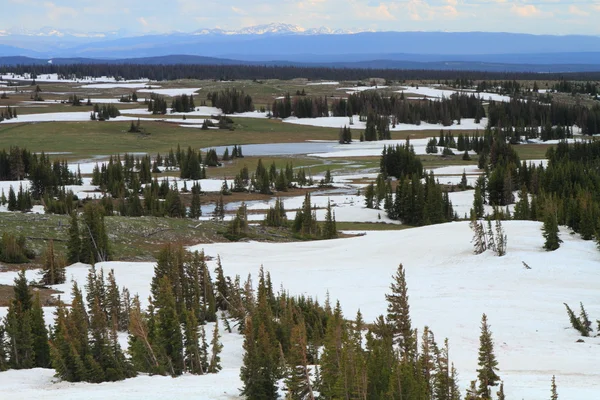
<point>295,44</point>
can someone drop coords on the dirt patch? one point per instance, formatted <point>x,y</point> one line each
<point>46,295</point>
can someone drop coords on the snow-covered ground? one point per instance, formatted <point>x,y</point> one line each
<point>55,78</point>
<point>359,126</point>
<point>171,92</point>
<point>372,149</point>
<point>355,89</point>
<point>59,117</point>
<point>347,208</point>
<point>449,289</point>
<point>435,93</point>
<point>121,84</point>
<point>321,83</point>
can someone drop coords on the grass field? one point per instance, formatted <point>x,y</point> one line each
<point>131,239</point>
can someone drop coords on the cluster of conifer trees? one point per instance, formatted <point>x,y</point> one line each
<point>8,113</point>
<point>231,101</point>
<point>157,104</point>
<point>265,180</point>
<point>402,110</point>
<point>183,103</point>
<point>301,106</point>
<point>418,199</point>
<point>104,112</point>
<point>563,193</point>
<point>566,86</point>
<point>19,163</point>
<point>166,338</point>
<point>19,201</point>
<point>320,353</point>
<point>531,113</point>
<point>13,249</point>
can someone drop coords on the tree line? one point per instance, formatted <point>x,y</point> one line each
<point>236,72</point>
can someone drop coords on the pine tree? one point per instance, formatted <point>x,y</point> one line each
<point>53,270</point>
<point>553,391</point>
<point>298,381</point>
<point>193,356</point>
<point>216,348</point>
<point>18,326</point>
<point>522,207</point>
<point>168,332</point>
<point>40,335</point>
<point>398,313</point>
<point>550,231</point>
<point>478,209</point>
<point>500,239</point>
<point>219,212</point>
<point>478,236</point>
<point>330,229</point>
<point>195,211</point>
<point>491,242</point>
<point>486,373</point>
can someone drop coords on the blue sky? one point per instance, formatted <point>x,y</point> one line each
<point>537,16</point>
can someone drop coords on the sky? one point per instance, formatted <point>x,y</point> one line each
<point>160,16</point>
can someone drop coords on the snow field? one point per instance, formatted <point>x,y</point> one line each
<point>435,93</point>
<point>450,288</point>
<point>171,92</point>
<point>372,149</point>
<point>357,125</point>
<point>55,78</point>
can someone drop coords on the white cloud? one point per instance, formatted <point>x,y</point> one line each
<point>55,12</point>
<point>574,10</point>
<point>143,21</point>
<point>529,11</point>
<point>380,12</point>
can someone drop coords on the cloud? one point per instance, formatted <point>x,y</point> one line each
<point>421,10</point>
<point>55,12</point>
<point>143,21</point>
<point>574,10</point>
<point>238,10</point>
<point>378,12</point>
<point>528,11</point>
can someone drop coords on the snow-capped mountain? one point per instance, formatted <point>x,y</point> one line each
<point>277,29</point>
<point>52,32</point>
<point>267,29</point>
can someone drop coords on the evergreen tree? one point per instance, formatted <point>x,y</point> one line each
<point>195,210</point>
<point>298,381</point>
<point>18,326</point>
<point>550,231</point>
<point>216,348</point>
<point>398,313</point>
<point>488,366</point>
<point>193,352</point>
<point>478,209</point>
<point>94,246</point>
<point>53,270</point>
<point>553,391</point>
<point>168,332</point>
<point>41,349</point>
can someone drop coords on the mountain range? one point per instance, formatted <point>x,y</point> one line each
<point>285,43</point>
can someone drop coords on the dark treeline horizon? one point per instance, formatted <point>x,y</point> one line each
<point>241,71</point>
